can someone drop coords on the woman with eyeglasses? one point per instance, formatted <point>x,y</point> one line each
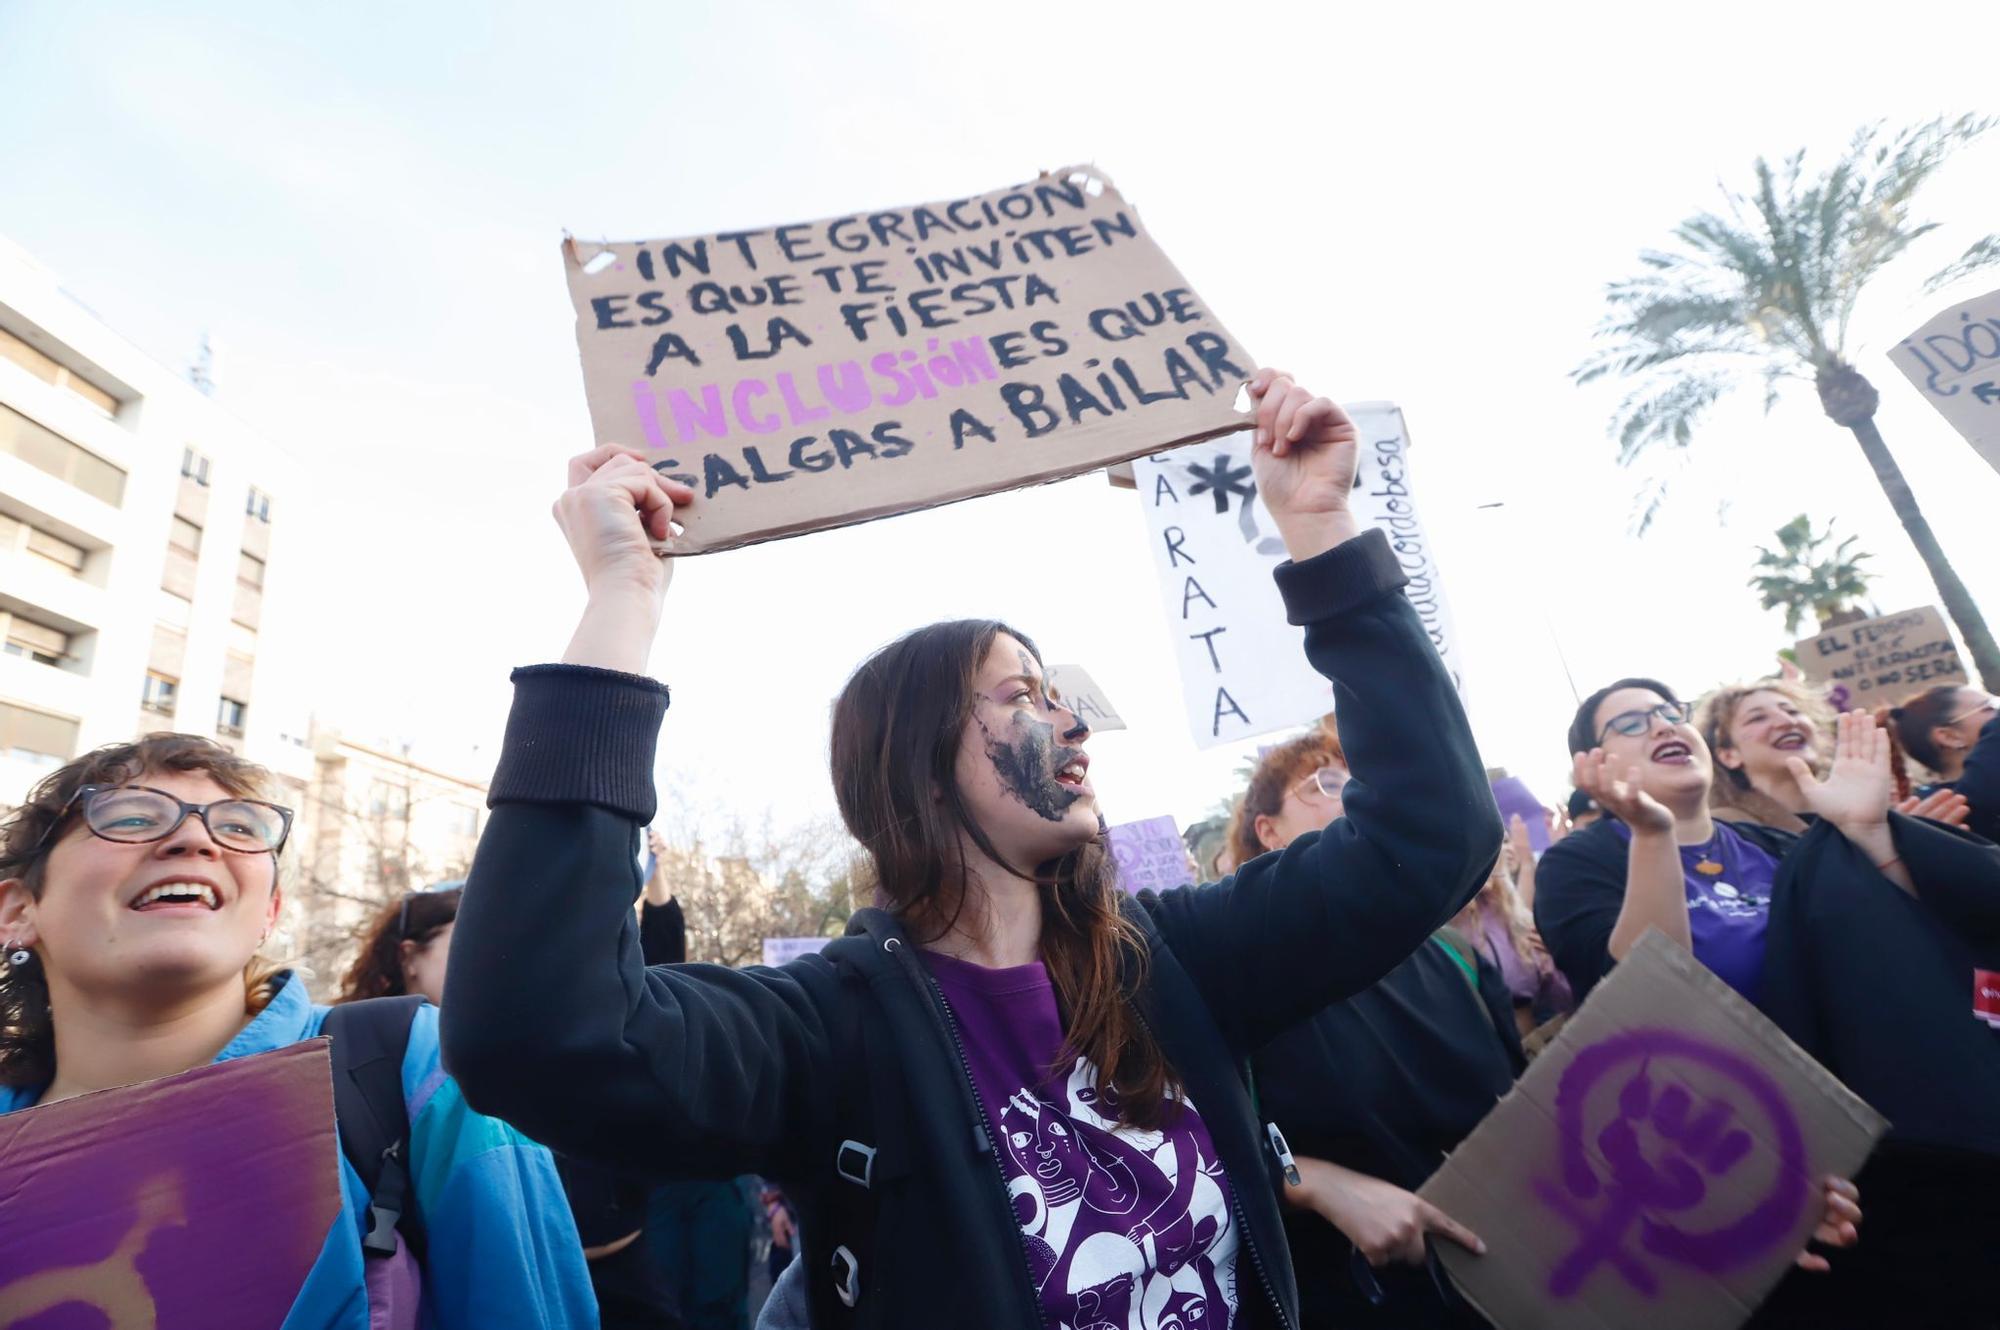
<point>138,884</point>
<point>1372,1092</point>
<point>1956,733</point>
<point>1014,1097</point>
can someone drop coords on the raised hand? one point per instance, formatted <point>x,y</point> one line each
<point>615,508</point>
<point>1858,787</point>
<point>1304,453</point>
<point>1946,806</point>
<point>1620,796</point>
<point>1517,841</point>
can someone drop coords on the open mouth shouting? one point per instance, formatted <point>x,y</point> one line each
<point>1789,741</point>
<point>1074,773</point>
<point>179,895</point>
<point>1672,753</point>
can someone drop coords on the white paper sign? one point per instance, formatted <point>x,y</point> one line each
<point>1243,668</point>
<point>778,950</point>
<point>1955,362</point>
<point>1080,692</point>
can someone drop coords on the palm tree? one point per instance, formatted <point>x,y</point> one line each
<point>1771,285</point>
<point>1802,576</point>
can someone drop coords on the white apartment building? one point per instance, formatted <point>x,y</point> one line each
<point>143,551</point>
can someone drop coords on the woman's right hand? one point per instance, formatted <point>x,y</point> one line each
<point>616,506</point>
<point>1622,797</point>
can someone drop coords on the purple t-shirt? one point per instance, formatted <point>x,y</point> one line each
<point>1122,1227</point>
<point>1729,910</point>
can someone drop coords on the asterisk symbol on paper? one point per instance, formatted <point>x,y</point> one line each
<point>1224,479</point>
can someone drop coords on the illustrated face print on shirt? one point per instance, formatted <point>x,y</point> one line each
<point>1065,1166</point>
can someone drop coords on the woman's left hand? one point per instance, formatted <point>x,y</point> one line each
<point>1946,806</point>
<point>1839,1224</point>
<point>1304,454</point>
<point>1856,792</point>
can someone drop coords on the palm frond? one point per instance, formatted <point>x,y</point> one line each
<point>1983,253</point>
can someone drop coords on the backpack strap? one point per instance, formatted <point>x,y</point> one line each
<point>370,1039</point>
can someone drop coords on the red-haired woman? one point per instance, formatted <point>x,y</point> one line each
<point>1014,1096</point>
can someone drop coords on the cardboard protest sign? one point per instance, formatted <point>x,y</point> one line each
<point>195,1201</point>
<point>1149,855</point>
<point>1879,662</point>
<point>1659,1165</point>
<point>1955,362</point>
<point>1243,668</point>
<point>1078,691</point>
<point>778,950</point>
<point>808,376</point>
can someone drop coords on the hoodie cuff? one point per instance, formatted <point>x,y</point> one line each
<point>1335,581</point>
<point>581,735</point>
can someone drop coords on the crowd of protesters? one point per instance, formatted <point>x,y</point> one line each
<point>1013,1094</point>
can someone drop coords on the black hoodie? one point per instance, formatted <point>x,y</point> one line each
<point>554,1024</point>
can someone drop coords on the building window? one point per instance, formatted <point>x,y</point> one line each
<point>386,800</point>
<point>36,737</point>
<point>184,536</point>
<point>464,820</point>
<point>33,641</point>
<point>160,693</point>
<point>46,450</point>
<point>229,718</point>
<point>258,505</point>
<point>52,371</point>
<point>18,537</point>
<point>194,466</point>
<point>250,571</point>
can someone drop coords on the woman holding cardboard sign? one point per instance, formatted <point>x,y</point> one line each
<point>1014,1096</point>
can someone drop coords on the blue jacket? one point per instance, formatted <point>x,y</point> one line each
<point>503,1249</point>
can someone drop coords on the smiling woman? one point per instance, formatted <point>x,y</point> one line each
<point>137,885</point>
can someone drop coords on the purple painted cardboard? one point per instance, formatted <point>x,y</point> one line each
<point>1656,1168</point>
<point>1515,798</point>
<point>186,1203</point>
<point>1149,855</point>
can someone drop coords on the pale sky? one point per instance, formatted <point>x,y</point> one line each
<point>362,205</point>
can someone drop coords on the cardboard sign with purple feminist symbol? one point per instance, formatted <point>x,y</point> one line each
<point>1659,1165</point>
<point>186,1203</point>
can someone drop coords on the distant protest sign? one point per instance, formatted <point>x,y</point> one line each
<point>1149,855</point>
<point>778,950</point>
<point>1659,1165</point>
<point>808,376</point>
<point>1243,668</point>
<point>1955,362</point>
<point>1879,662</point>
<point>1079,692</point>
<point>186,1203</point>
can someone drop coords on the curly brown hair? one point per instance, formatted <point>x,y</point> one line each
<point>1277,772</point>
<point>27,1030</point>
<point>1730,788</point>
<point>415,917</point>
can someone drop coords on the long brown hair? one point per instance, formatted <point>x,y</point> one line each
<point>1910,726</point>
<point>27,1030</point>
<point>417,916</point>
<point>896,731</point>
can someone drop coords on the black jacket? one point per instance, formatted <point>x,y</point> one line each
<point>697,1070</point>
<point>1387,1083</point>
<point>1980,782</point>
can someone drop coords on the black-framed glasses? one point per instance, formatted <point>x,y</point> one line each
<point>1327,780</point>
<point>1634,723</point>
<point>140,815</point>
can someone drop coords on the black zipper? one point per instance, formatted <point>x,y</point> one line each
<point>987,1140</point>
<point>1236,1202</point>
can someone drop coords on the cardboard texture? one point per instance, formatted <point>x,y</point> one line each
<point>1150,855</point>
<point>1243,669</point>
<point>1954,360</point>
<point>186,1203</point>
<point>1882,661</point>
<point>1657,1167</point>
<point>809,376</point>
<point>1079,692</point>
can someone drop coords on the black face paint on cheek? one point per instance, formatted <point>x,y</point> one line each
<point>1025,760</point>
